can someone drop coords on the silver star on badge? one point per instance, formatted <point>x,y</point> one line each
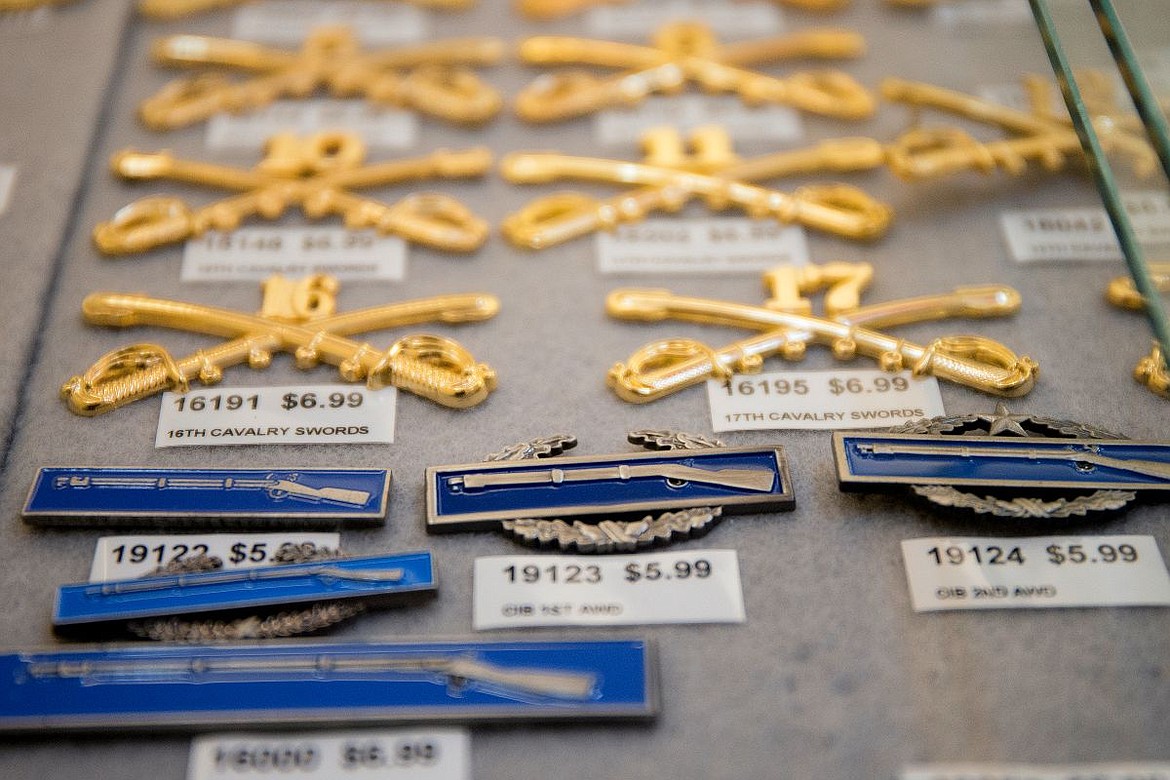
<point>1003,421</point>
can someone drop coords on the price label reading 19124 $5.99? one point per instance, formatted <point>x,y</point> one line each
<point>1044,571</point>
<point>820,400</point>
<point>411,754</point>
<point>297,414</point>
<point>698,586</point>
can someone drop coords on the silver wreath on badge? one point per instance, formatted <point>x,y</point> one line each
<point>610,536</point>
<point>1003,423</point>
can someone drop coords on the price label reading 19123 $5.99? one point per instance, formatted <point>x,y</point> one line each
<point>820,400</point>
<point>1044,571</point>
<point>698,586</point>
<point>430,754</point>
<point>296,414</point>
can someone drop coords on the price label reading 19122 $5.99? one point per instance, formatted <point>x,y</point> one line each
<point>1045,571</point>
<point>124,557</point>
<point>820,400</point>
<point>411,754</point>
<point>296,414</point>
<point>698,586</point>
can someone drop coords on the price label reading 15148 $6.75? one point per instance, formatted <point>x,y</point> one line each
<point>819,400</point>
<point>301,414</point>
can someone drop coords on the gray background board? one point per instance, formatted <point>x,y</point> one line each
<point>58,64</point>
<point>833,675</point>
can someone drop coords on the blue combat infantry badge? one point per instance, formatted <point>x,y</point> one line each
<point>209,686</point>
<point>1004,464</point>
<point>689,481</point>
<point>307,590</point>
<point>300,497</point>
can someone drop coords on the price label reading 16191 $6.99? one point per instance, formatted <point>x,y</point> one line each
<point>305,414</point>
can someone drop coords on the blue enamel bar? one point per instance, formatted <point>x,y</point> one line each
<point>868,460</point>
<point>374,579</point>
<point>478,495</point>
<point>185,687</point>
<point>282,497</point>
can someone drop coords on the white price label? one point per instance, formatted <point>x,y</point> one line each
<point>821,400</point>
<point>983,13</point>
<point>259,252</point>
<point>700,246</point>
<point>687,112</point>
<point>1137,770</point>
<point>379,127</point>
<point>7,184</point>
<point>1041,571</point>
<point>290,21</point>
<point>292,414</point>
<point>1086,233</point>
<point>126,557</point>
<point>726,19</point>
<point>412,754</point>
<point>696,586</point>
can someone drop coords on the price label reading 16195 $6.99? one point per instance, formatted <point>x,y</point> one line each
<point>819,400</point>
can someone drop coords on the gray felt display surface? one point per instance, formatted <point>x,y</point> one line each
<point>833,675</point>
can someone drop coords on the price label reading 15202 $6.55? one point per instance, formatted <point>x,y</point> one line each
<point>820,400</point>
<point>297,414</point>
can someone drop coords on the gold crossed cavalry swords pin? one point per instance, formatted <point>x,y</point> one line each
<point>174,9</point>
<point>432,78</point>
<point>296,317</point>
<point>669,177</point>
<point>1035,136</point>
<point>1151,371</point>
<point>314,173</point>
<point>688,53</point>
<point>786,326</point>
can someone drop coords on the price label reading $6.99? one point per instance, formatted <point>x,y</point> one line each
<point>125,557</point>
<point>698,586</point>
<point>1045,571</point>
<point>821,400</point>
<point>301,414</point>
<point>426,754</point>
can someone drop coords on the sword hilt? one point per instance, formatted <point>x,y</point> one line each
<point>435,368</point>
<point>145,224</point>
<point>121,377</point>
